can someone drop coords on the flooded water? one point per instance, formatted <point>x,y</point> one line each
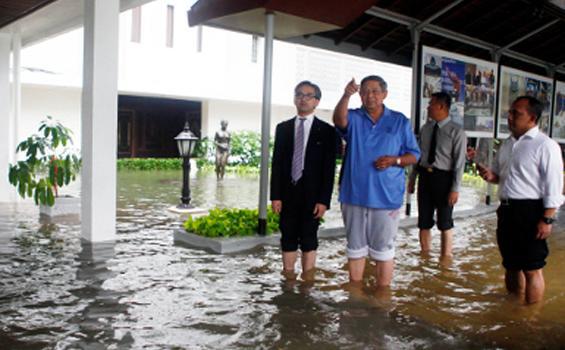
<point>144,292</point>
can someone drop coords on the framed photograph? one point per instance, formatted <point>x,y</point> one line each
<point>558,121</point>
<point>470,82</point>
<point>514,83</point>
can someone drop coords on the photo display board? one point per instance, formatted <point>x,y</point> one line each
<point>470,82</point>
<point>558,130</point>
<point>515,83</point>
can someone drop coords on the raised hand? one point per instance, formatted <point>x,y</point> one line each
<point>351,88</point>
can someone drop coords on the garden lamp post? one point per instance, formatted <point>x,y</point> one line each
<point>186,141</point>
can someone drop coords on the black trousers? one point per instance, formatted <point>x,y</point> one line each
<point>298,226</point>
<point>516,234</point>
<point>434,186</point>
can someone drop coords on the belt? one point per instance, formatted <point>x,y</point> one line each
<point>510,201</point>
<point>433,170</point>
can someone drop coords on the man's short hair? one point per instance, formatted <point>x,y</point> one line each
<point>443,97</point>
<point>535,106</point>
<point>317,91</point>
<point>376,78</point>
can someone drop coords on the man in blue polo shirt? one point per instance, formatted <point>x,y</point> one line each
<point>380,143</point>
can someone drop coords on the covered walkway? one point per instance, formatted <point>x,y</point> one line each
<point>523,34</point>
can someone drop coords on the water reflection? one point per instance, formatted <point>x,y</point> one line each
<point>145,292</point>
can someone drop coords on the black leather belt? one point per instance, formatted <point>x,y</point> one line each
<point>432,170</point>
<point>511,201</point>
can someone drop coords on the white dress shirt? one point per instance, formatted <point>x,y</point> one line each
<point>307,126</point>
<point>530,167</point>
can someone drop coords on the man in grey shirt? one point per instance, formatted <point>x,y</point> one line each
<point>443,146</point>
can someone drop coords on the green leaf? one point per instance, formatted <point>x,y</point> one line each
<point>50,197</point>
<point>42,195</point>
<point>36,196</point>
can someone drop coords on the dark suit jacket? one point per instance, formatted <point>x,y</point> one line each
<point>319,162</point>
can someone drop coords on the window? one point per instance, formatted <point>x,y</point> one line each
<point>170,25</point>
<point>136,24</point>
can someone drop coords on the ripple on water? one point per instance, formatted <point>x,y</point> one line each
<point>145,292</point>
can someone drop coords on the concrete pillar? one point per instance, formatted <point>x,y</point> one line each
<point>7,192</point>
<point>99,120</point>
<point>16,91</point>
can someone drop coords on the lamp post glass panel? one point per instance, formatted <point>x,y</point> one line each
<point>186,141</point>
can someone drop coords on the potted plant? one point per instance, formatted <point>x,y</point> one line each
<point>49,165</point>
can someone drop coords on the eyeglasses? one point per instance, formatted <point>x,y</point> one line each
<point>371,91</point>
<point>306,97</point>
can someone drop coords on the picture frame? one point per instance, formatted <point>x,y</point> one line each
<point>515,83</point>
<point>558,119</point>
<point>470,81</point>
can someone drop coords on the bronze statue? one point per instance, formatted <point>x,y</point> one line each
<point>222,142</point>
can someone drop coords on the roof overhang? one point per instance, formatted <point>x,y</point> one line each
<point>293,18</point>
<point>52,18</point>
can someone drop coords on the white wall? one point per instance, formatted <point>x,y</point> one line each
<point>61,103</point>
<point>222,75</point>
<point>246,116</point>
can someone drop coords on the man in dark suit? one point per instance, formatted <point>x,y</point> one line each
<point>302,178</point>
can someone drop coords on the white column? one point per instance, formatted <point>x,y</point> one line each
<point>266,122</point>
<point>99,120</point>
<point>16,91</point>
<point>6,190</point>
<point>415,33</point>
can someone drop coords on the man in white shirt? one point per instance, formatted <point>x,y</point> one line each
<point>528,169</point>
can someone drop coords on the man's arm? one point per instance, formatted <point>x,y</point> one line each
<point>409,151</point>
<point>486,173</point>
<point>328,171</point>
<point>552,178</point>
<point>276,170</point>
<point>459,154</point>
<point>340,111</point>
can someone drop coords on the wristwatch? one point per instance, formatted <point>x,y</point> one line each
<point>547,220</point>
<point>398,161</point>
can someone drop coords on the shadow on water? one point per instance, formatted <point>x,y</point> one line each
<point>145,292</point>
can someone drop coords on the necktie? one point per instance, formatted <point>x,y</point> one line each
<point>433,143</point>
<point>298,154</point>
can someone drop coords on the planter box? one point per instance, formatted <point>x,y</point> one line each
<point>63,206</point>
<point>239,244</point>
<point>223,245</point>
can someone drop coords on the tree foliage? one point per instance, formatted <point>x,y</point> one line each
<point>49,163</point>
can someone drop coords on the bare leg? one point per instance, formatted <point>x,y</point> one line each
<point>383,272</point>
<point>289,260</point>
<point>446,243</point>
<point>515,282</point>
<point>425,241</point>
<point>308,260</point>
<point>535,286</point>
<point>356,268</point>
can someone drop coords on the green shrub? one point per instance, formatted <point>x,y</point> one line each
<point>230,223</point>
<point>246,148</point>
<point>245,152</point>
<point>149,164</point>
<point>204,148</point>
<point>234,169</point>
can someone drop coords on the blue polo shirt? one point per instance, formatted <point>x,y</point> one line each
<point>362,184</point>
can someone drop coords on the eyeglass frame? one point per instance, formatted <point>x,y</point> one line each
<point>305,97</point>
